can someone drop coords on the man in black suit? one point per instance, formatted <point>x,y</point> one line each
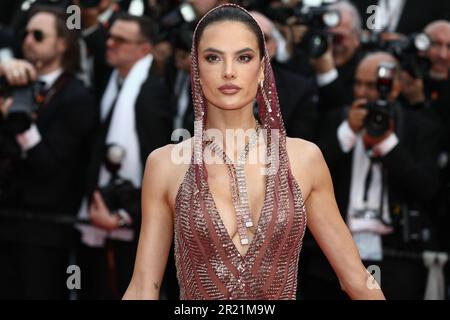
<point>382,186</point>
<point>135,116</point>
<point>437,90</point>
<point>297,94</point>
<point>47,163</point>
<point>403,16</point>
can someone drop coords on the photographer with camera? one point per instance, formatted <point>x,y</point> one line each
<point>384,172</point>
<point>324,38</point>
<point>437,88</point>
<point>335,68</point>
<point>134,120</point>
<point>47,124</point>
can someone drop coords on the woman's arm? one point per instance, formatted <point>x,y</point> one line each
<point>331,233</point>
<point>156,229</point>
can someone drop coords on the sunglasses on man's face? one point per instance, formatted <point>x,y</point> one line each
<point>38,35</point>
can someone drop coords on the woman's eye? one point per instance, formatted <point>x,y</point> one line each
<point>245,58</point>
<point>212,58</point>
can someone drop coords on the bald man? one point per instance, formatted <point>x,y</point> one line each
<point>437,85</point>
<point>439,53</point>
<point>379,183</point>
<point>438,90</point>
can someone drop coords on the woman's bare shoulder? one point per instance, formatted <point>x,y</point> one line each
<point>167,165</point>
<point>306,161</point>
<point>171,156</point>
<point>299,149</point>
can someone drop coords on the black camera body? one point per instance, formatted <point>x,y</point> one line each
<point>119,193</point>
<point>317,17</point>
<point>407,50</point>
<point>378,119</point>
<point>25,103</point>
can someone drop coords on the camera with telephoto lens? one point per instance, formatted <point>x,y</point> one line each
<point>377,121</point>
<point>25,104</point>
<point>408,50</point>
<point>119,193</point>
<point>314,14</point>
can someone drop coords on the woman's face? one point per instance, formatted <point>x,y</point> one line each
<point>229,64</point>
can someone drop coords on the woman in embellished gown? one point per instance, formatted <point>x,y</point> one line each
<point>237,208</point>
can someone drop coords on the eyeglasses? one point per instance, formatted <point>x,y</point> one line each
<point>38,35</point>
<point>121,40</point>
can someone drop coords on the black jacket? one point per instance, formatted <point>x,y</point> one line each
<point>298,103</point>
<point>50,179</point>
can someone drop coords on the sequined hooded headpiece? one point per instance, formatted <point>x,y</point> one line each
<point>267,99</point>
<point>209,265</point>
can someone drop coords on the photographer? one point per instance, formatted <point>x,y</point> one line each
<point>335,69</point>
<point>437,88</point>
<point>384,172</point>
<point>134,120</point>
<point>47,124</point>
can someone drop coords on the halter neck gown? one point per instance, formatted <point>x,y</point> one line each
<point>209,266</point>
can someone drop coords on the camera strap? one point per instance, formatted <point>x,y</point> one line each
<point>368,181</point>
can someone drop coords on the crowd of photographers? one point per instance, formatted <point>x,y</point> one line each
<point>82,107</point>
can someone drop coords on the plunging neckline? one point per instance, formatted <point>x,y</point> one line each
<point>223,229</point>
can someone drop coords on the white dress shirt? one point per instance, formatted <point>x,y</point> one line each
<point>366,232</point>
